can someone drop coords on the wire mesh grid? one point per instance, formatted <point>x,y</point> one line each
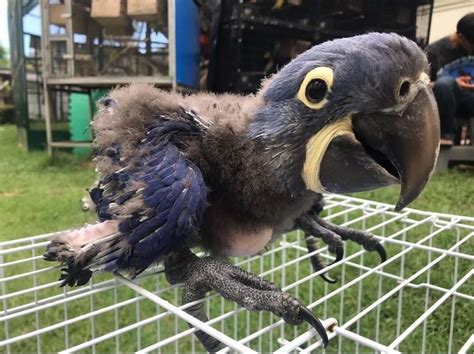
<point>420,299</point>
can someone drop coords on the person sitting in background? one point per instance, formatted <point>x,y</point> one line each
<point>451,72</point>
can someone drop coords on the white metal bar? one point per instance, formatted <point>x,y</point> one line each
<point>20,261</point>
<point>427,295</point>
<point>68,322</point>
<point>410,210</point>
<point>342,288</point>
<point>379,290</point>
<point>426,314</point>
<point>27,274</point>
<point>430,248</point>
<point>352,256</point>
<point>188,331</point>
<point>350,206</point>
<point>467,345</point>
<point>392,291</point>
<point>354,281</point>
<point>112,334</point>
<point>6,327</point>
<point>31,238</point>
<point>453,301</point>
<point>22,248</point>
<point>162,315</point>
<point>391,276</point>
<point>51,299</point>
<point>363,340</point>
<point>187,317</point>
<point>298,341</point>
<point>400,293</point>
<point>55,303</point>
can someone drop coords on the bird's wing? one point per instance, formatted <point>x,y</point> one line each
<point>155,199</point>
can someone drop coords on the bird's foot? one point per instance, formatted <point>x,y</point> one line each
<point>334,235</point>
<point>201,275</point>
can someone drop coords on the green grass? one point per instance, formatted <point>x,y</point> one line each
<point>39,195</point>
<point>450,192</point>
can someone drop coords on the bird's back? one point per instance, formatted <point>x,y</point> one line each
<point>136,107</point>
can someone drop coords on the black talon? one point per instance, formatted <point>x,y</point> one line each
<point>381,251</point>
<point>339,255</point>
<point>317,266</point>
<point>313,244</point>
<point>309,317</point>
<point>327,278</point>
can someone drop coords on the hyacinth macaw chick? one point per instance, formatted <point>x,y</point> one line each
<point>231,173</point>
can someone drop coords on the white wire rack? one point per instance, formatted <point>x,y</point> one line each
<point>419,300</point>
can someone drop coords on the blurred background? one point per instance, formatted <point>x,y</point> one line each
<point>58,57</point>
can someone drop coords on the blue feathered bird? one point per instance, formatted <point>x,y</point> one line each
<point>231,173</point>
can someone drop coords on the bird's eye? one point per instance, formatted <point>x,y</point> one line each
<point>316,90</point>
<point>404,88</point>
<point>108,102</point>
<point>315,87</point>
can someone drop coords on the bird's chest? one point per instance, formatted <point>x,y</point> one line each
<point>247,206</point>
<point>244,242</point>
<point>231,228</point>
<point>226,231</point>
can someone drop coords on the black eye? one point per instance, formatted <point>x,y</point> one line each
<point>316,90</point>
<point>108,102</point>
<point>404,88</point>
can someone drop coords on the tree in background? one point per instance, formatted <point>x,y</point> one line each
<point>4,60</point>
<point>6,107</point>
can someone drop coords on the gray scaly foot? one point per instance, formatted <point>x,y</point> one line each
<point>201,275</point>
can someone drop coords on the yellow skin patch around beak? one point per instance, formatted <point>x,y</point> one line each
<point>317,145</point>
<point>323,73</point>
<point>316,149</point>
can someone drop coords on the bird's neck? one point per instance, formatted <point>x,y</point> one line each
<point>283,149</point>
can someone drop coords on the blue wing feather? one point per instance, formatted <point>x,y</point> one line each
<point>157,195</point>
<point>173,200</point>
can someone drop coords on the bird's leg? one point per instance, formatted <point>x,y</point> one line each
<point>201,275</point>
<point>334,235</point>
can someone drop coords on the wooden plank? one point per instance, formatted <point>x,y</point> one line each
<point>143,10</point>
<point>101,81</point>
<point>454,153</point>
<point>69,144</point>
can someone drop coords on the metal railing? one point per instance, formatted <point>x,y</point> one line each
<point>422,291</point>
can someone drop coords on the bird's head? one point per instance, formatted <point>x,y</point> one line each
<point>350,115</point>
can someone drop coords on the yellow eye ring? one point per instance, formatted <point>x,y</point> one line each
<point>314,81</point>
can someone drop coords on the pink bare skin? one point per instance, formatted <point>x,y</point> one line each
<point>90,233</point>
<point>248,244</point>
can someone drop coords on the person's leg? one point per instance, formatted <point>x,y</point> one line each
<point>446,92</point>
<point>466,103</point>
<point>466,108</point>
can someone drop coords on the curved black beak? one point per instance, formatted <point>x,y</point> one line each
<point>386,148</point>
